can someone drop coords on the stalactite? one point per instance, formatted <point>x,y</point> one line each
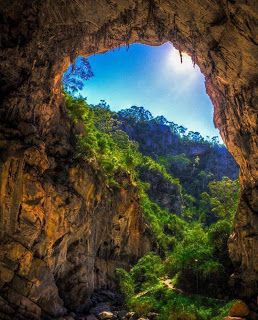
<point>127,37</point>
<point>181,56</point>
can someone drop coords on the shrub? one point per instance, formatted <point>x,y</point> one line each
<point>103,142</point>
<point>125,282</point>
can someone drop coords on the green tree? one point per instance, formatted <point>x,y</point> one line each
<point>221,200</point>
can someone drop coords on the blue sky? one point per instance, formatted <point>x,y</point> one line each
<point>154,78</point>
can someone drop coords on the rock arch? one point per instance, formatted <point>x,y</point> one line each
<point>38,42</point>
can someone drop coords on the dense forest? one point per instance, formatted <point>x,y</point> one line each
<point>188,194</point>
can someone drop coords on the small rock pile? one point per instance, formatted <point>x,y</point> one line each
<point>122,315</point>
<point>107,305</point>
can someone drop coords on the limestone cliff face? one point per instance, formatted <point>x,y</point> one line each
<point>63,232</point>
<point>53,217</point>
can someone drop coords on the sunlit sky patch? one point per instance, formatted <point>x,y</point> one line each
<point>152,77</point>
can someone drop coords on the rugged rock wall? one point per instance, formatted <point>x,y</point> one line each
<point>63,232</point>
<point>48,227</point>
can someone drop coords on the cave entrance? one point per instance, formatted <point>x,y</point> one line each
<point>45,230</point>
<point>171,88</point>
<point>148,76</point>
<point>187,184</point>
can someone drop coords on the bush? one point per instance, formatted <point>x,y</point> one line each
<point>147,272</point>
<point>155,296</point>
<point>126,283</point>
<point>166,227</point>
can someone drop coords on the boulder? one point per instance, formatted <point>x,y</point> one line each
<point>106,315</point>
<point>239,309</point>
<point>130,315</point>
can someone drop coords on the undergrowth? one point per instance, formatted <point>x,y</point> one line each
<point>187,276</point>
<point>107,145</point>
<point>148,288</point>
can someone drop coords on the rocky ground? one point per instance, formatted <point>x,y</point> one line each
<point>106,304</point>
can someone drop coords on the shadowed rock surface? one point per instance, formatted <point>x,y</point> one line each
<point>164,193</point>
<point>63,232</point>
<point>69,235</point>
<point>194,160</point>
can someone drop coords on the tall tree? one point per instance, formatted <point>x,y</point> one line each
<point>76,75</point>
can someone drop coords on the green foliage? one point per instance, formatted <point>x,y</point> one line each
<point>182,307</point>
<point>191,249</point>
<point>224,197</point>
<point>180,160</point>
<point>195,260</point>
<point>147,272</point>
<point>220,202</point>
<point>218,234</point>
<point>154,165</point>
<point>138,114</point>
<point>103,142</point>
<point>166,227</point>
<point>111,149</point>
<point>155,295</point>
<point>77,108</point>
<point>126,283</point>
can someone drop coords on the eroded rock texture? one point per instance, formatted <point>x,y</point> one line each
<point>62,230</point>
